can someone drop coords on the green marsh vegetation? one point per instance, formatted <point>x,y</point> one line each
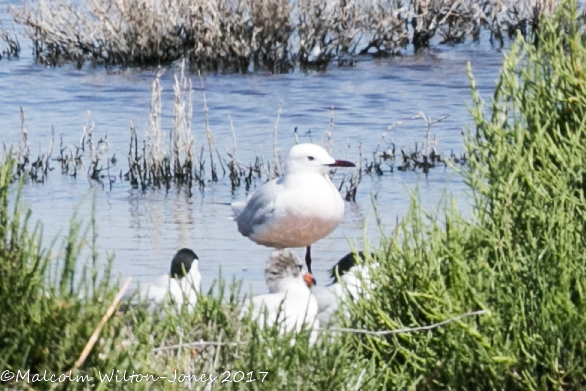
<point>521,253</point>
<point>519,257</point>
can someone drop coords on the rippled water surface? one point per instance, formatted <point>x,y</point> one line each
<point>144,230</point>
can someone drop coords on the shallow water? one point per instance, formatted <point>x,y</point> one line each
<point>144,230</point>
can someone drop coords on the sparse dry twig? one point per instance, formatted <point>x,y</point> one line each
<point>12,48</point>
<point>408,329</point>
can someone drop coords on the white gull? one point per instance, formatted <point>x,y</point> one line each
<point>180,286</point>
<point>351,279</point>
<point>298,208</point>
<point>290,301</point>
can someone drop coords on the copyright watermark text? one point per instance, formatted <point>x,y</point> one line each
<point>117,376</point>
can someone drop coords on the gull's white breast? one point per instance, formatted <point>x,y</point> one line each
<point>298,210</point>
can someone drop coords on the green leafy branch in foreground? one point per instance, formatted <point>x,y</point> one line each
<point>520,254</point>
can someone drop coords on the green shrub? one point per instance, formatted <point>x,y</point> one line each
<point>521,254</point>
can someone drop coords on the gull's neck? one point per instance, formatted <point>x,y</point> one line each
<point>294,178</point>
<point>293,284</point>
<point>357,278</point>
<point>192,280</point>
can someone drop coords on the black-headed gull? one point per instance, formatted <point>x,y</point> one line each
<point>298,208</point>
<point>180,286</point>
<point>290,300</point>
<point>349,280</point>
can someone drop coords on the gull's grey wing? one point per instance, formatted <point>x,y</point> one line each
<point>327,302</point>
<point>259,210</point>
<point>324,296</point>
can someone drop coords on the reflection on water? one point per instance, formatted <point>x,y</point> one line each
<point>145,230</point>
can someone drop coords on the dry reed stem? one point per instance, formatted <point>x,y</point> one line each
<point>355,179</point>
<point>161,164</point>
<point>94,337</point>
<point>277,161</point>
<point>154,147</point>
<point>25,147</point>
<point>234,167</point>
<point>181,134</point>
<point>210,135</point>
<point>330,131</point>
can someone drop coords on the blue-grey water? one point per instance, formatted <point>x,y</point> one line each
<point>144,229</point>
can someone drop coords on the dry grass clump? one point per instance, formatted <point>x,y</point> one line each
<point>9,46</point>
<point>456,20</point>
<point>70,157</point>
<point>387,156</point>
<point>505,17</point>
<point>159,165</point>
<point>387,23</point>
<point>35,170</point>
<point>214,35</point>
<point>240,35</point>
<point>271,35</point>
<point>315,21</point>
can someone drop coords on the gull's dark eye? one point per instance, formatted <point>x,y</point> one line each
<point>310,158</point>
<point>300,267</point>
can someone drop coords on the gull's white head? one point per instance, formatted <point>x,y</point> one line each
<point>282,269</point>
<point>312,158</point>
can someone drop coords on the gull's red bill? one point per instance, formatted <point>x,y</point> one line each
<point>342,163</point>
<point>309,280</point>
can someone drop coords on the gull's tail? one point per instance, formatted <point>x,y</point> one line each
<point>237,208</point>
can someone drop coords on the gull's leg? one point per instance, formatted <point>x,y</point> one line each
<point>308,258</point>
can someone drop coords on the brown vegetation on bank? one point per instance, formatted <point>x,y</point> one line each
<point>274,35</point>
